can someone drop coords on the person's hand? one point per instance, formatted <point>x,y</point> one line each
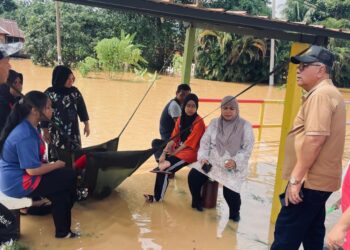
<point>335,238</point>
<point>204,161</point>
<point>169,150</point>
<point>46,136</point>
<point>292,194</point>
<point>230,164</point>
<point>86,129</point>
<point>59,164</point>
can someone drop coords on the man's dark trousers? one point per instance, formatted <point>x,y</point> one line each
<point>302,223</point>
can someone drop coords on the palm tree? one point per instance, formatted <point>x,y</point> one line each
<point>218,51</point>
<point>235,46</point>
<point>304,10</point>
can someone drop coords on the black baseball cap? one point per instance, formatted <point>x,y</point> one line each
<point>315,54</point>
<point>8,49</point>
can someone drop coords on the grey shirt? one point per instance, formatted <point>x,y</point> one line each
<point>174,109</point>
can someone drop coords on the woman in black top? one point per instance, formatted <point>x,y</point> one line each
<point>68,104</point>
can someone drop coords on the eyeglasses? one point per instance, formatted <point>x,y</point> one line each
<point>303,66</point>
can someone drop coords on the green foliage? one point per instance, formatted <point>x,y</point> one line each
<point>7,6</point>
<point>253,7</point>
<point>282,54</point>
<point>228,57</point>
<point>140,72</point>
<point>341,69</point>
<point>88,65</point>
<point>177,63</point>
<point>83,27</point>
<point>13,245</point>
<point>316,10</point>
<point>118,54</point>
<point>40,33</point>
<point>332,14</point>
<point>161,37</point>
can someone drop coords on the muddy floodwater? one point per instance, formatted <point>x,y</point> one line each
<point>124,220</point>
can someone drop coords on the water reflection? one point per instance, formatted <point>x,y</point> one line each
<point>143,223</point>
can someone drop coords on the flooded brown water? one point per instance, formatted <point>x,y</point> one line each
<point>124,220</point>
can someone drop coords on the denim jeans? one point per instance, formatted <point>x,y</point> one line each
<point>302,223</point>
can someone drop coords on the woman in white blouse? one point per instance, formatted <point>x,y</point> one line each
<point>226,145</point>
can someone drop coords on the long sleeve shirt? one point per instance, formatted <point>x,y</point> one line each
<point>232,179</point>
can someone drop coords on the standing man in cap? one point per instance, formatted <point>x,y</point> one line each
<point>7,50</point>
<point>313,156</point>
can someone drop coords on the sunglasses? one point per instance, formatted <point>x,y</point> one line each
<point>303,66</point>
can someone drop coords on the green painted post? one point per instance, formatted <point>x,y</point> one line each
<point>188,54</point>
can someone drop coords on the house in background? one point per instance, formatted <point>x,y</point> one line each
<point>10,32</point>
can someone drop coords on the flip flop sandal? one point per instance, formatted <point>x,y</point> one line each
<point>70,235</point>
<point>158,171</point>
<point>149,198</point>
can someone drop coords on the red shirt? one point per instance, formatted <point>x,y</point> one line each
<point>189,154</point>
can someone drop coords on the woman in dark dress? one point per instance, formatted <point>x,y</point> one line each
<point>68,104</point>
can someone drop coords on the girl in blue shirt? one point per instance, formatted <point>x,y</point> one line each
<point>22,173</point>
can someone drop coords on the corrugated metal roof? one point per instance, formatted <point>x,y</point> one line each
<point>219,19</point>
<point>3,31</point>
<point>11,28</point>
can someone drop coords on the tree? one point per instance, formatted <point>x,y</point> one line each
<point>89,64</point>
<point>7,6</point>
<point>117,54</point>
<point>161,37</point>
<point>82,27</point>
<point>332,14</point>
<point>228,57</point>
<point>253,7</point>
<point>341,69</point>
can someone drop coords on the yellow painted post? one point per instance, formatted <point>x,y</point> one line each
<point>261,120</point>
<point>188,54</point>
<point>291,107</point>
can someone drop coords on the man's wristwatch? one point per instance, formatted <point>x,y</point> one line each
<point>294,181</point>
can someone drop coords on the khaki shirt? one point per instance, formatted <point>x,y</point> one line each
<point>322,113</point>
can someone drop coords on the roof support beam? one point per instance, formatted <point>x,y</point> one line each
<point>262,27</point>
<point>295,37</point>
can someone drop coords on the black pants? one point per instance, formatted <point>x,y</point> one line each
<point>59,186</point>
<point>162,180</point>
<point>195,182</point>
<point>302,223</point>
<point>160,145</point>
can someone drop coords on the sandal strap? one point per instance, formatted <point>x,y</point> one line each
<point>149,198</point>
